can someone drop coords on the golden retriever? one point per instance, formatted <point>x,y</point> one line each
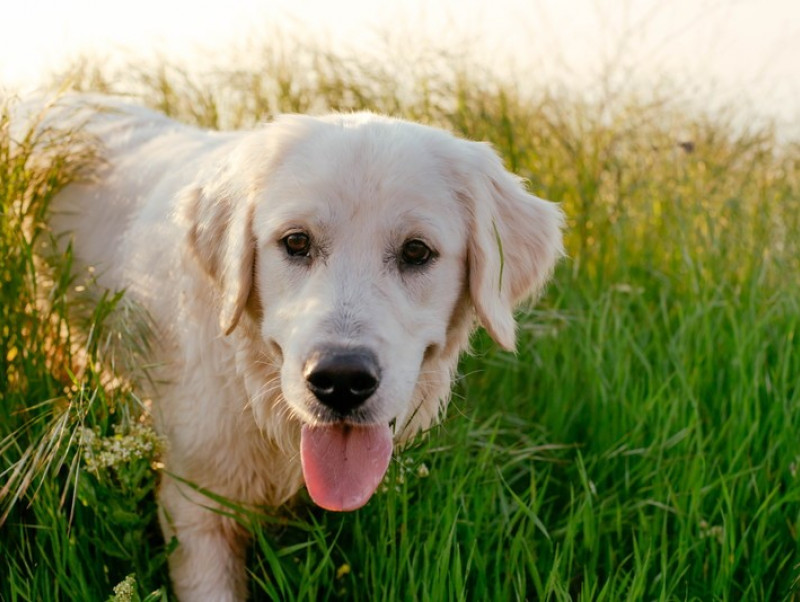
<point>312,283</point>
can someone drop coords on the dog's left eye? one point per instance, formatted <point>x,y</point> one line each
<point>297,244</point>
<point>416,252</point>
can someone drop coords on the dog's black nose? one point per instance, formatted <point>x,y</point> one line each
<point>342,379</point>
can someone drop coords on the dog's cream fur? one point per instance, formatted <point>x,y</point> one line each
<point>192,223</point>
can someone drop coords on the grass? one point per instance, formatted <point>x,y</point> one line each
<point>643,444</point>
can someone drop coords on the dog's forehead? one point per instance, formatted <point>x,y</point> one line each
<point>373,154</point>
<point>373,170</point>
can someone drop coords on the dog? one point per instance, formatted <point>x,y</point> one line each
<point>311,282</point>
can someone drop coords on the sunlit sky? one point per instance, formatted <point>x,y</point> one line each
<point>746,50</point>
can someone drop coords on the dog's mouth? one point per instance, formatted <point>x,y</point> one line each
<point>343,464</point>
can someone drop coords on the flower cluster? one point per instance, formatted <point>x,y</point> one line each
<point>715,532</point>
<point>404,467</point>
<point>125,590</point>
<point>139,442</point>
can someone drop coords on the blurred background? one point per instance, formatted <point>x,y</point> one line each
<point>715,52</point>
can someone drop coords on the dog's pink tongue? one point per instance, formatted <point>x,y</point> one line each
<point>343,464</point>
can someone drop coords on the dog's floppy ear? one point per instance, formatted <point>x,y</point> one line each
<point>515,240</point>
<point>219,219</point>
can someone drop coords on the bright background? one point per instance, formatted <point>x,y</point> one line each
<point>745,51</point>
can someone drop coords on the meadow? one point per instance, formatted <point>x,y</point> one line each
<point>643,444</point>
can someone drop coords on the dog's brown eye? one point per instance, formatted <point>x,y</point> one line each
<point>297,244</point>
<point>416,252</point>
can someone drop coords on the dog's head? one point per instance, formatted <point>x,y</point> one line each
<point>360,248</point>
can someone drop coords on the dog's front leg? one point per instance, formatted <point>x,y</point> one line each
<point>208,563</point>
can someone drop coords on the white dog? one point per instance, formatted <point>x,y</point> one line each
<point>312,283</point>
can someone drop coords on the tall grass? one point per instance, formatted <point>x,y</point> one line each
<point>642,445</point>
<point>60,345</point>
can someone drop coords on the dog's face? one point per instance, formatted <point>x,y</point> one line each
<point>361,261</point>
<point>362,246</point>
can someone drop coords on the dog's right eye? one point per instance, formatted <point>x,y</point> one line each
<point>297,244</point>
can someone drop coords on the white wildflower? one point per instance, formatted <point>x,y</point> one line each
<point>716,532</point>
<point>125,590</point>
<point>404,469</point>
<point>140,442</point>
